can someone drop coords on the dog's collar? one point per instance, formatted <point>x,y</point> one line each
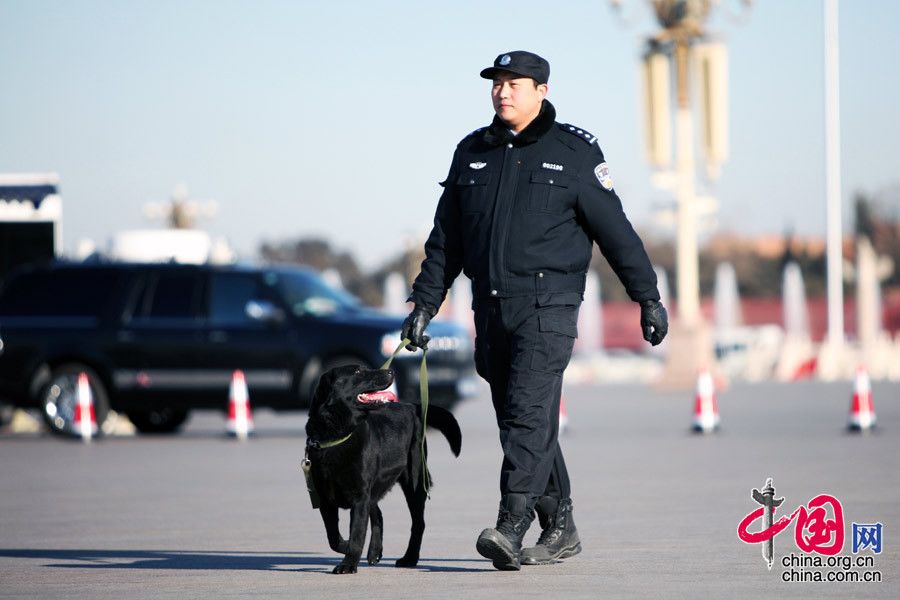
<point>311,443</point>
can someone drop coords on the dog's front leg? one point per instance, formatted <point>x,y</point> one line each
<point>359,523</point>
<point>375,542</point>
<point>329,514</point>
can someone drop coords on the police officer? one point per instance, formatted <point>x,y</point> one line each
<point>525,199</point>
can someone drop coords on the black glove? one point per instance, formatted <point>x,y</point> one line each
<point>654,321</point>
<point>414,329</point>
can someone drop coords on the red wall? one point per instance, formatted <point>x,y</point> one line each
<point>621,320</point>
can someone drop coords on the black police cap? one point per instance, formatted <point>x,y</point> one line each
<point>522,63</point>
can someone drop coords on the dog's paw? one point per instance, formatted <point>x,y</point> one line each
<point>344,569</point>
<point>374,555</point>
<point>406,562</point>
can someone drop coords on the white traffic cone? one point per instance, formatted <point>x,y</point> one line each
<point>240,419</point>
<point>706,409</point>
<point>862,412</point>
<point>563,415</point>
<point>85,418</point>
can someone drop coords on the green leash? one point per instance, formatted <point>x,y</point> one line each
<point>423,393</point>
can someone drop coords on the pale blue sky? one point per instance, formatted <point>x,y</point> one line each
<point>338,118</point>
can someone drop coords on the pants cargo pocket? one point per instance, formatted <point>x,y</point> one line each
<point>556,338</point>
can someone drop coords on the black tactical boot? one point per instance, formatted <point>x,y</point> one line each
<point>559,538</point>
<point>503,543</point>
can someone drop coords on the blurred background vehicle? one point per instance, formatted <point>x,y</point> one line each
<point>159,340</point>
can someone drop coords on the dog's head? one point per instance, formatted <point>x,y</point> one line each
<point>342,397</point>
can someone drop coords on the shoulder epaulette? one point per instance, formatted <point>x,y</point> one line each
<point>477,131</point>
<point>584,136</point>
<point>473,134</point>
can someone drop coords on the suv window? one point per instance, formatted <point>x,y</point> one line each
<point>170,295</point>
<point>61,293</point>
<point>307,294</point>
<point>228,298</point>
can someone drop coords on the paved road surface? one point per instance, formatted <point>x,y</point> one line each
<point>202,516</point>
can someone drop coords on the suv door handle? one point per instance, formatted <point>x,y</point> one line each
<point>218,336</point>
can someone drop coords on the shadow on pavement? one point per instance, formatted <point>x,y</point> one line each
<point>208,560</point>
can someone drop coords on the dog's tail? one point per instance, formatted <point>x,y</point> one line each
<point>444,421</point>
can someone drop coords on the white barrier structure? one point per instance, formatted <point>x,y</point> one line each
<point>875,343</point>
<point>333,278</point>
<point>590,318</point>
<point>395,294</point>
<point>461,304</point>
<point>662,284</point>
<point>797,347</point>
<point>726,298</point>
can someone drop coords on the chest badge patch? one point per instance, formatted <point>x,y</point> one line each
<point>477,165</point>
<point>601,171</point>
<point>552,167</point>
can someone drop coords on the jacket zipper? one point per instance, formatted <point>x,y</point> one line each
<point>511,197</point>
<point>502,226</point>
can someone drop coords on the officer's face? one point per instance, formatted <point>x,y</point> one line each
<point>517,101</point>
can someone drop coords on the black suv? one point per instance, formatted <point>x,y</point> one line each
<point>157,340</point>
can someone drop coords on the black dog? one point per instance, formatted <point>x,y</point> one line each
<point>378,445</point>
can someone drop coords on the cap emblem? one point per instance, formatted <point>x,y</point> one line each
<point>505,60</point>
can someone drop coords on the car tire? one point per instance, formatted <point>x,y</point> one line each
<point>59,398</point>
<point>164,420</point>
<point>6,413</point>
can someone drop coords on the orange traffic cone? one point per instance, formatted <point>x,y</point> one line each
<point>862,413</point>
<point>706,409</point>
<point>240,419</point>
<point>563,414</point>
<point>85,419</point>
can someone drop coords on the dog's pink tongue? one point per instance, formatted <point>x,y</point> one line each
<point>374,397</point>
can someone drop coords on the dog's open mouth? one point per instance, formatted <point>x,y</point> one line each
<point>380,396</point>
<point>377,397</point>
<point>381,390</point>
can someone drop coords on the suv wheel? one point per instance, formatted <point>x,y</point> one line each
<point>164,420</point>
<point>6,413</point>
<point>59,398</point>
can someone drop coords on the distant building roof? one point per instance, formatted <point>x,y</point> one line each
<point>34,193</point>
<point>30,187</point>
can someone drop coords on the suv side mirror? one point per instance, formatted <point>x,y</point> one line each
<point>264,311</point>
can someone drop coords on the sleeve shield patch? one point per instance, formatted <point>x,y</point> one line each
<point>601,171</point>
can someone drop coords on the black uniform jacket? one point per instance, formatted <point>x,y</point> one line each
<point>519,214</point>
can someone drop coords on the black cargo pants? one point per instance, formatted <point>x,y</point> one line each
<point>522,347</point>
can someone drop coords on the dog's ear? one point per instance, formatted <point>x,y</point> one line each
<point>321,393</point>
